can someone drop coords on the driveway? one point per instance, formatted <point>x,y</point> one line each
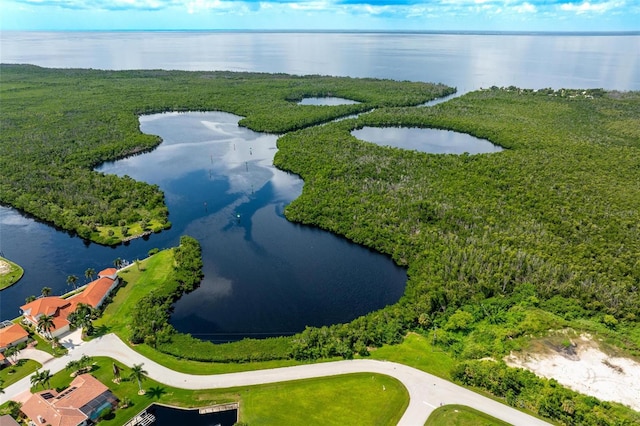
<point>426,391</point>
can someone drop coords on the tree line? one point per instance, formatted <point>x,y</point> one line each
<point>59,124</point>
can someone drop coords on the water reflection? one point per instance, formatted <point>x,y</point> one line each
<point>264,276</point>
<point>433,141</point>
<point>465,61</point>
<point>328,101</point>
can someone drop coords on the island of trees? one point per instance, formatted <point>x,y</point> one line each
<point>500,248</point>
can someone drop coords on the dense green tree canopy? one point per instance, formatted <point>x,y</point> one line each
<point>558,209</point>
<point>59,124</point>
<point>498,246</point>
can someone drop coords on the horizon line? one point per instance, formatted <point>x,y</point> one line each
<point>345,31</point>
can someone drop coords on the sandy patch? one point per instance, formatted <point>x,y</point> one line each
<point>5,268</point>
<point>584,368</point>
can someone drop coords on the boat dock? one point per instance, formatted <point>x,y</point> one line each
<point>142,419</point>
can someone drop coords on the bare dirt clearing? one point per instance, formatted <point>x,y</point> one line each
<point>5,268</point>
<point>585,368</point>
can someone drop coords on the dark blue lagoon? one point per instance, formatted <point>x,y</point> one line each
<point>264,276</point>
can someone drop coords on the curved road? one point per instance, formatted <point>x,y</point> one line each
<point>426,391</point>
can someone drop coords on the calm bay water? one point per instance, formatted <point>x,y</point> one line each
<point>465,61</point>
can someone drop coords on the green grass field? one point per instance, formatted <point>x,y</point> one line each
<point>366,398</point>
<point>10,273</point>
<point>417,352</point>
<point>459,415</point>
<point>10,375</point>
<point>152,273</point>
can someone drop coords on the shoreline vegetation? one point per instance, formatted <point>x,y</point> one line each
<point>10,273</point>
<point>80,126</point>
<point>500,248</point>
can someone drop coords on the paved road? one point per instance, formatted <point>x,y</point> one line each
<point>426,391</point>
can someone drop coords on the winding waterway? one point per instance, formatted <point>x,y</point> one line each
<point>264,276</point>
<point>269,253</point>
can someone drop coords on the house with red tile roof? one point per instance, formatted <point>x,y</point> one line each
<point>109,273</point>
<point>78,405</point>
<point>96,292</point>
<point>93,295</point>
<point>52,306</point>
<point>11,335</point>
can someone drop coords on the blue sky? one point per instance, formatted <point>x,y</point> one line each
<point>420,15</point>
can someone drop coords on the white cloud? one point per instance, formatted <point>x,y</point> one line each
<point>106,4</point>
<point>588,7</point>
<point>310,5</point>
<point>525,7</point>
<point>195,6</point>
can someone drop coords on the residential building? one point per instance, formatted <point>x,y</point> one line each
<point>11,335</point>
<point>7,420</point>
<point>78,405</point>
<point>93,295</point>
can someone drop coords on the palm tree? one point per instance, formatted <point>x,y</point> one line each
<point>116,373</point>
<point>29,299</point>
<point>72,365</point>
<point>46,291</point>
<point>139,374</point>
<point>45,324</point>
<point>71,280</point>
<point>35,379</point>
<point>81,317</point>
<point>117,263</point>
<point>81,365</point>
<point>85,362</point>
<point>11,353</point>
<point>45,378</point>
<point>89,274</point>
<point>1,386</point>
<point>13,409</point>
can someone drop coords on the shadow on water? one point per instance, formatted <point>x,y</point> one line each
<point>169,416</point>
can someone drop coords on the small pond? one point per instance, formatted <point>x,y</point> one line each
<point>327,101</point>
<point>169,416</point>
<point>433,141</point>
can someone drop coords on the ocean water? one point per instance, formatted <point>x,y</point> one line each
<point>465,61</point>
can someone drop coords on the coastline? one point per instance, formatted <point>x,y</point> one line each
<point>8,269</point>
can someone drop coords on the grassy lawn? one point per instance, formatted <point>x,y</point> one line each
<point>350,399</point>
<point>152,274</point>
<point>365,399</point>
<point>45,346</point>
<point>459,415</point>
<point>23,368</point>
<point>10,273</point>
<point>416,351</point>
